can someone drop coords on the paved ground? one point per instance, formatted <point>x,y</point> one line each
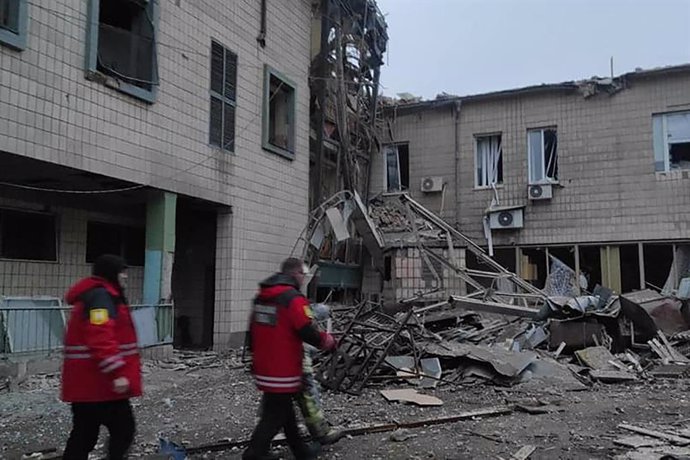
<point>198,405</point>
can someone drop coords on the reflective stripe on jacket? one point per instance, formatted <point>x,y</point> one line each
<point>100,344</point>
<point>278,313</point>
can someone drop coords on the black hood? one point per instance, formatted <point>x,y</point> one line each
<point>280,279</point>
<point>108,266</point>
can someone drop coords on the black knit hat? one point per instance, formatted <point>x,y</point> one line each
<point>108,266</point>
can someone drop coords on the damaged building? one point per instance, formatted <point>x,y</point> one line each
<point>568,185</point>
<point>349,39</point>
<point>175,134</point>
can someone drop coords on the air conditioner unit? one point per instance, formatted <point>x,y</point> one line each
<point>432,184</point>
<point>540,192</point>
<point>507,219</point>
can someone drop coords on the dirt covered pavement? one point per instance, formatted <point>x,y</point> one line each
<point>213,399</point>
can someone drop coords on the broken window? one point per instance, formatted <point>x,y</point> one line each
<point>671,141</point>
<point>658,261</point>
<point>223,97</point>
<point>489,161</point>
<point>543,155</point>
<point>123,45</point>
<point>279,114</point>
<point>28,236</point>
<point>397,159</point>
<point>590,267</point>
<point>13,23</point>
<point>105,238</point>
<point>432,272</point>
<point>533,266</point>
<point>387,268</point>
<point>630,268</point>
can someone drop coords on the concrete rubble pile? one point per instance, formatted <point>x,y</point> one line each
<point>490,326</point>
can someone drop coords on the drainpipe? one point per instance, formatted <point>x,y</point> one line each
<point>262,32</point>
<point>456,116</point>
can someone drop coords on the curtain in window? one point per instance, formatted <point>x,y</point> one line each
<point>488,161</point>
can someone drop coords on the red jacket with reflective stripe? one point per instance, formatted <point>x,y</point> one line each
<point>278,313</point>
<point>100,344</point>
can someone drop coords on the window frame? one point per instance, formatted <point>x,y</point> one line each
<point>223,98</point>
<point>17,40</point>
<point>545,179</point>
<point>477,137</point>
<point>384,152</point>
<point>56,227</point>
<point>91,54</point>
<point>292,113</point>
<point>660,134</point>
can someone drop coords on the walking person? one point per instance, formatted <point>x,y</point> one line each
<point>101,368</point>
<point>281,321</point>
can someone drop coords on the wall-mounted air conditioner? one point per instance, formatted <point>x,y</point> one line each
<point>540,192</point>
<point>506,219</point>
<point>432,184</point>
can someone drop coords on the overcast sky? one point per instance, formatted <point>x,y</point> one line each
<point>474,46</point>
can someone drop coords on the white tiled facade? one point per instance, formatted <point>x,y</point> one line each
<point>49,111</point>
<point>612,217</point>
<point>610,191</point>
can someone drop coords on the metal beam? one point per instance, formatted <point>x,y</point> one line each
<point>493,307</point>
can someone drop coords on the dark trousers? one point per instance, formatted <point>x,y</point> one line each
<point>277,412</point>
<point>87,418</point>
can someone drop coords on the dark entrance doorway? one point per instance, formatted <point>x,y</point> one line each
<point>194,274</point>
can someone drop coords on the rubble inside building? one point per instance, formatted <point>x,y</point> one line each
<point>484,325</point>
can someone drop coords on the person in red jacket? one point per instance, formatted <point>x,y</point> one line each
<point>101,368</point>
<point>281,321</point>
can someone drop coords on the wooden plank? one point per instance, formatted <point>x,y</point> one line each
<point>361,430</point>
<point>485,412</point>
<point>635,442</point>
<point>675,354</point>
<point>677,440</point>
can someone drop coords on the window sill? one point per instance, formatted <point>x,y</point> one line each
<point>675,174</point>
<point>486,187</point>
<point>31,261</point>
<point>221,150</point>
<point>12,40</point>
<point>278,151</point>
<point>148,96</point>
<point>547,182</point>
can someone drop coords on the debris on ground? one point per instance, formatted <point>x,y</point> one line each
<point>493,326</point>
<point>478,346</point>
<point>411,396</point>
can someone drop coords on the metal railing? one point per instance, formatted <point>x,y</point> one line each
<point>37,325</point>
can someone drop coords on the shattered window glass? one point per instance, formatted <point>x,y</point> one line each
<point>127,42</point>
<point>671,139</point>
<point>543,155</point>
<point>279,116</point>
<point>678,126</point>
